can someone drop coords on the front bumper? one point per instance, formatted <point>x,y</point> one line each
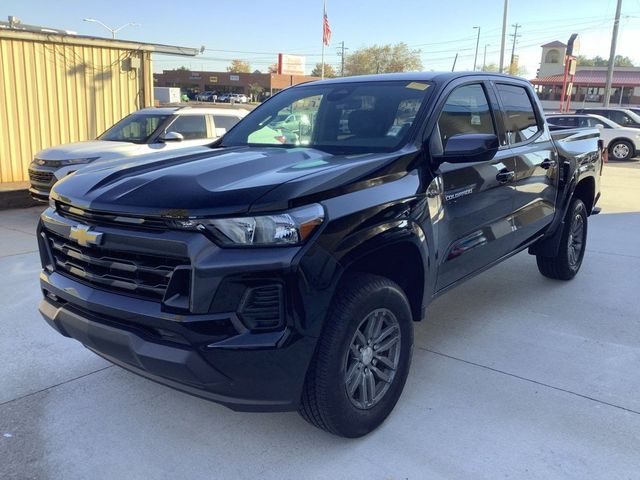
<point>206,350</point>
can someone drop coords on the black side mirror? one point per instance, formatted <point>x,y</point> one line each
<point>470,147</point>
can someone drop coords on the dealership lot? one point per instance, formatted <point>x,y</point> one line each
<point>513,375</point>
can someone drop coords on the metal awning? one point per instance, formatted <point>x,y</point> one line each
<point>593,78</point>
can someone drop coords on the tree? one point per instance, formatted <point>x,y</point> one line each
<point>255,90</point>
<point>598,61</point>
<point>273,68</point>
<point>182,68</point>
<point>329,72</point>
<point>382,59</point>
<point>521,71</point>
<point>239,66</point>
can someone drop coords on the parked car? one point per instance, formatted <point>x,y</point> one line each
<point>622,143</point>
<point>292,122</point>
<point>208,96</point>
<point>148,130</point>
<point>224,97</point>
<point>622,116</point>
<point>282,277</point>
<point>238,98</point>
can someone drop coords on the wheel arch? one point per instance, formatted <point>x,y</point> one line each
<point>586,191</point>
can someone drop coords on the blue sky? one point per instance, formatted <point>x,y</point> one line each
<point>256,31</point>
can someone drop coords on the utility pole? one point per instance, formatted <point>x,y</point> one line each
<point>484,57</point>
<point>504,33</point>
<point>341,50</point>
<point>513,47</point>
<point>454,63</point>
<point>475,58</point>
<point>612,55</point>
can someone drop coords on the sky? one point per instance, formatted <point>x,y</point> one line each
<point>257,30</point>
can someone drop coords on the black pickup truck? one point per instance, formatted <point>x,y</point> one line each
<point>284,268</point>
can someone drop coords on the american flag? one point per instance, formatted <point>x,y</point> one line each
<point>326,29</point>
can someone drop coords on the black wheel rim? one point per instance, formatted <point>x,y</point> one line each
<point>576,240</point>
<point>371,362</point>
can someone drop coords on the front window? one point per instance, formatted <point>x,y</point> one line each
<point>338,118</point>
<point>191,127</point>
<point>134,128</point>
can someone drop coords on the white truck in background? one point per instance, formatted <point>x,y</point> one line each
<point>165,95</point>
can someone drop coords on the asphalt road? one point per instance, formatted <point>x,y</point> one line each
<point>513,376</point>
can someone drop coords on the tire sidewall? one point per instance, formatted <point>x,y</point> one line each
<point>577,207</point>
<point>351,420</point>
<point>629,146</point>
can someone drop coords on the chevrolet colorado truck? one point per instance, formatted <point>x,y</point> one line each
<point>284,272</point>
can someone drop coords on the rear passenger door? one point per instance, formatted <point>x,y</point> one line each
<point>477,197</point>
<point>536,163</point>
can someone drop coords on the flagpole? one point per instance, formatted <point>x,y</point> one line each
<point>324,13</point>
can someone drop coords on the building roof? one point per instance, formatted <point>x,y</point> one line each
<point>554,44</point>
<point>45,35</point>
<point>594,78</point>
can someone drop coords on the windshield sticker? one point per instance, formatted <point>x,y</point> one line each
<point>418,86</point>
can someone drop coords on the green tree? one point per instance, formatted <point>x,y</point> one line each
<point>255,90</point>
<point>329,72</point>
<point>273,68</point>
<point>598,61</point>
<point>492,67</point>
<point>182,68</point>
<point>239,66</point>
<point>382,59</point>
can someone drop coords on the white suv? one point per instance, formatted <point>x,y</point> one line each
<point>146,131</point>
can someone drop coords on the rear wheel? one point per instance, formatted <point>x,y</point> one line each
<point>362,360</point>
<point>566,264</point>
<point>621,150</point>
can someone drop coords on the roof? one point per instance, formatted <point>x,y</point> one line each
<point>594,78</point>
<point>554,44</point>
<point>438,77</point>
<point>59,36</point>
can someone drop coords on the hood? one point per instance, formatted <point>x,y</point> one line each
<point>226,181</point>
<point>93,148</point>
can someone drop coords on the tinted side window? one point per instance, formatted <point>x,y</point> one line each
<point>466,111</point>
<point>520,118</point>
<point>192,127</point>
<point>562,121</point>
<point>619,117</point>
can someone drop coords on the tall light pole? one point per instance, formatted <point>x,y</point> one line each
<point>504,33</point>
<point>112,30</point>
<point>484,57</point>
<point>612,56</point>
<point>475,58</point>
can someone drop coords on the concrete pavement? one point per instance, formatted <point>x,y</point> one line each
<point>513,376</point>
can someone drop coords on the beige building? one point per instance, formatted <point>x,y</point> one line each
<point>58,88</point>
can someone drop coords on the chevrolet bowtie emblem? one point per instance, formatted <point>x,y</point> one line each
<point>84,237</point>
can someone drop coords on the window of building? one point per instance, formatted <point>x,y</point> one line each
<point>552,56</point>
<point>466,111</point>
<point>519,114</point>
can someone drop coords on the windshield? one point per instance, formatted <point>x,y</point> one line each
<point>135,128</point>
<point>338,118</point>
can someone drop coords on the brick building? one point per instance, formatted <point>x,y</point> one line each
<point>221,82</point>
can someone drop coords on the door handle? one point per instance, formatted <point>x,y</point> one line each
<point>506,176</point>
<point>547,164</point>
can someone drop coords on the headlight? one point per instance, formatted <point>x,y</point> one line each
<point>76,161</point>
<point>288,228</point>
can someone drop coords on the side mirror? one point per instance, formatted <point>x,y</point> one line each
<point>470,147</point>
<point>172,137</point>
<point>600,126</point>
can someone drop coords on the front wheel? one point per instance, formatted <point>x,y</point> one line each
<point>573,242</point>
<point>362,360</point>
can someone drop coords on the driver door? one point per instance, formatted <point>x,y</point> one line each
<point>477,197</point>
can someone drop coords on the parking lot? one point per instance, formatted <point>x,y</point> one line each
<point>513,376</point>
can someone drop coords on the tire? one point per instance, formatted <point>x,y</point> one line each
<point>621,150</point>
<point>326,403</point>
<point>573,242</point>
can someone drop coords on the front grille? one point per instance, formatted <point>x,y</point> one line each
<point>43,177</point>
<point>89,217</point>
<point>139,275</point>
<point>261,308</point>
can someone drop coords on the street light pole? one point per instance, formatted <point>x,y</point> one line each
<point>612,55</point>
<point>504,34</point>
<point>484,57</point>
<point>475,58</point>
<point>112,30</point>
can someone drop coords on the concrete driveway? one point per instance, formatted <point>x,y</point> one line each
<point>513,376</point>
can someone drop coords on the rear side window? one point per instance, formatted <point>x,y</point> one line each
<point>192,127</point>
<point>520,119</point>
<point>466,111</point>
<point>562,121</point>
<point>619,117</point>
<point>225,121</point>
